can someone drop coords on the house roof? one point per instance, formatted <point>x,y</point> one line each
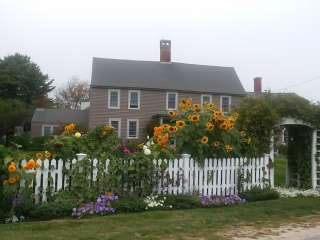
<point>46,115</point>
<point>167,76</point>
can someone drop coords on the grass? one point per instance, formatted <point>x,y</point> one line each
<point>280,163</point>
<point>175,224</point>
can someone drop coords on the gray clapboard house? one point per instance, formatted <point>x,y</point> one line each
<point>129,93</point>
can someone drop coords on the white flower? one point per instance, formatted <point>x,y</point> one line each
<point>147,151</point>
<point>145,147</point>
<point>292,192</point>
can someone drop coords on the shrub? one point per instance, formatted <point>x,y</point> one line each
<point>60,206</point>
<point>130,204</point>
<point>50,210</point>
<point>182,201</point>
<point>259,194</point>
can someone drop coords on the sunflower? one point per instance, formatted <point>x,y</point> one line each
<point>185,104</point>
<point>204,140</point>
<point>209,126</point>
<point>12,167</point>
<point>163,140</point>
<point>69,128</point>
<point>172,114</point>
<point>30,164</point>
<point>172,129</point>
<point>225,125</point>
<point>216,144</point>
<point>243,134</point>
<point>195,118</point>
<point>39,155</point>
<point>180,124</point>
<point>229,148</point>
<point>196,107</point>
<point>216,115</point>
<point>12,180</point>
<point>166,127</point>
<point>157,131</point>
<point>47,154</point>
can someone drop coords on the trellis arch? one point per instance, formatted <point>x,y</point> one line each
<point>315,147</point>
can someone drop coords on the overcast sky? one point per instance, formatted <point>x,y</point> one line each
<point>278,40</point>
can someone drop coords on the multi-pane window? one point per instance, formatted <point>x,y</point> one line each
<point>172,99</point>
<point>48,130</point>
<point>114,98</point>
<point>132,128</point>
<point>205,99</point>
<point>134,99</point>
<point>116,124</point>
<point>225,103</point>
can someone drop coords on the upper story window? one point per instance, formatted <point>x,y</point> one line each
<point>48,130</point>
<point>114,98</point>
<point>225,104</point>
<point>132,128</point>
<point>206,99</point>
<point>134,99</point>
<point>116,124</point>
<point>172,100</point>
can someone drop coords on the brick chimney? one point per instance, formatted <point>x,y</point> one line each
<point>257,85</point>
<point>165,51</point>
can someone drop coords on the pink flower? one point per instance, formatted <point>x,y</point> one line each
<point>125,150</point>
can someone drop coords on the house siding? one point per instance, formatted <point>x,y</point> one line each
<point>152,102</point>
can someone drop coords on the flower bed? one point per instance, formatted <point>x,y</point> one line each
<point>213,201</point>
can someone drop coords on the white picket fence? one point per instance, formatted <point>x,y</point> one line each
<point>216,177</point>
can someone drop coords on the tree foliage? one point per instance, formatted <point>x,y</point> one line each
<point>258,115</point>
<point>12,113</point>
<point>73,95</point>
<point>21,79</point>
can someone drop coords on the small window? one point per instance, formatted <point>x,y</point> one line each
<point>116,124</point>
<point>48,130</point>
<point>172,99</point>
<point>225,103</point>
<point>114,98</point>
<point>134,99</point>
<point>132,128</point>
<point>206,99</point>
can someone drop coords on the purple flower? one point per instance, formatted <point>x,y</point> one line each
<point>102,206</point>
<point>208,201</point>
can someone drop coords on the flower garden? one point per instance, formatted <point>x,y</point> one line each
<point>201,131</point>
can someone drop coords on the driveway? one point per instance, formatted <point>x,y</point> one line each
<point>303,229</point>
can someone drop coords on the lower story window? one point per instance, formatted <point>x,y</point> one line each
<point>132,128</point>
<point>48,130</point>
<point>116,124</point>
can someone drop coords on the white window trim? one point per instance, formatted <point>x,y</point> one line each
<point>206,95</point>
<point>129,120</point>
<point>229,103</point>
<point>47,125</point>
<point>109,97</point>
<point>167,98</point>
<point>129,99</point>
<point>119,125</point>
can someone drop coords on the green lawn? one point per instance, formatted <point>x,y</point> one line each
<point>280,163</point>
<point>182,224</point>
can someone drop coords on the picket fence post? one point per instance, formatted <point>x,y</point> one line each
<point>186,167</point>
<point>81,156</point>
